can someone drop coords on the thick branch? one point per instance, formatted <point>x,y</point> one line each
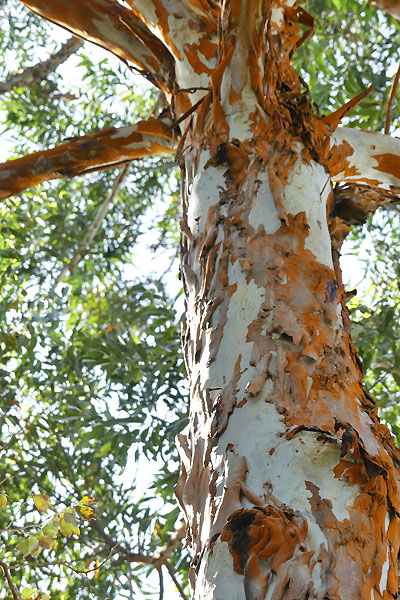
<point>361,157</point>
<point>95,152</point>
<point>114,28</point>
<point>38,72</point>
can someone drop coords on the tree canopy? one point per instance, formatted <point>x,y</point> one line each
<point>92,379</point>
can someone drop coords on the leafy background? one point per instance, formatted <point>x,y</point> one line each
<point>92,383</point>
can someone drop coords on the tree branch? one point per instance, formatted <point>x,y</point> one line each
<point>351,206</point>
<point>176,582</point>
<point>161,580</point>
<point>95,152</point>
<point>94,227</point>
<point>113,27</point>
<point>38,72</point>
<point>14,592</point>
<point>392,95</point>
<point>390,6</point>
<point>364,158</point>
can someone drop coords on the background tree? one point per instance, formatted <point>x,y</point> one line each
<point>107,338</point>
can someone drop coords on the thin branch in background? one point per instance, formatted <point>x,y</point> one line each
<point>40,565</point>
<point>10,441</point>
<point>160,575</point>
<point>36,73</point>
<point>101,213</point>
<point>393,91</point>
<point>14,592</point>
<point>176,582</point>
<point>94,227</point>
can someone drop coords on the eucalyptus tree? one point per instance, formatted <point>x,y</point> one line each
<point>289,481</point>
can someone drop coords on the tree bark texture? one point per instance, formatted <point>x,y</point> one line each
<point>289,482</point>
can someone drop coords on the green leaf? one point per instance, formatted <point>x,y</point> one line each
<point>28,545</point>
<point>69,524</point>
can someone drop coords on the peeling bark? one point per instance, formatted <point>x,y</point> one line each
<point>111,26</point>
<point>289,483</point>
<point>97,151</point>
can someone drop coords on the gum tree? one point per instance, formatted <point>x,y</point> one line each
<point>289,482</point>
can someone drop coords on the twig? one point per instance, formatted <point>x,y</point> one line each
<point>14,592</point>
<point>393,91</point>
<point>176,582</point>
<point>170,545</point>
<point>64,564</point>
<point>38,72</point>
<point>160,575</point>
<point>94,227</point>
<point>10,441</point>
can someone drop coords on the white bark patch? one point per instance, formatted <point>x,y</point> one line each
<point>216,579</point>
<point>6,173</point>
<point>385,572</point>
<point>188,78</point>
<point>111,34</point>
<point>366,146</point>
<point>307,190</point>
<point>205,193</point>
<point>263,210</point>
<point>243,309</point>
<point>277,13</point>
<point>149,12</point>
<point>124,131</point>
<point>237,114</point>
<point>254,430</point>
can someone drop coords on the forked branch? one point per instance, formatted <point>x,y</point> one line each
<point>95,152</point>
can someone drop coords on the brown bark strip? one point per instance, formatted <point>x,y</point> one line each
<point>36,73</point>
<point>113,27</point>
<point>14,592</point>
<point>95,152</point>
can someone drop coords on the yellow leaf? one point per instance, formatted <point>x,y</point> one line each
<point>42,502</point>
<point>157,528</point>
<point>3,500</point>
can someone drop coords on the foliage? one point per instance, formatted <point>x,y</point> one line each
<point>92,378</point>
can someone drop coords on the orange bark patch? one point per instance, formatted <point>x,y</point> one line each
<point>349,557</point>
<point>97,151</point>
<point>260,534</point>
<point>388,163</point>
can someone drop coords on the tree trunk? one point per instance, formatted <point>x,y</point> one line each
<point>289,483</point>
